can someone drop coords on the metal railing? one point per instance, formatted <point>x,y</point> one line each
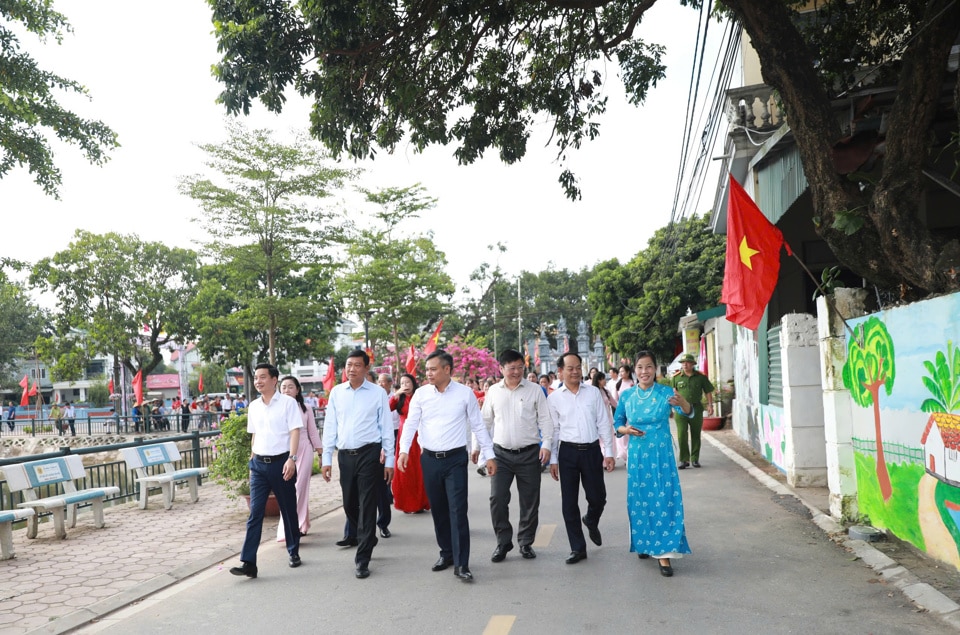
<point>117,424</point>
<point>116,473</point>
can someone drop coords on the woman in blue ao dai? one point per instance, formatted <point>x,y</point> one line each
<point>654,499</point>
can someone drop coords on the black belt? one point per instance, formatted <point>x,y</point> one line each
<point>445,453</point>
<point>581,446</point>
<point>362,448</point>
<point>526,448</point>
<point>271,459</point>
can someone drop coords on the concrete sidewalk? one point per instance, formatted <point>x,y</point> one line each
<point>920,592</point>
<point>55,586</point>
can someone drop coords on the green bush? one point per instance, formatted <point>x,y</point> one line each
<point>230,466</point>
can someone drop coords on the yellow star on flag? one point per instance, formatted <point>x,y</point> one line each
<point>746,253</point>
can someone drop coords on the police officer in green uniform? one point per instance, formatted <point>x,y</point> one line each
<point>692,384</point>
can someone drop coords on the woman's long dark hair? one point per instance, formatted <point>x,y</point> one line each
<point>299,397</point>
<point>402,398</point>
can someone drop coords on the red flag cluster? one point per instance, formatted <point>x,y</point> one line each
<point>753,259</point>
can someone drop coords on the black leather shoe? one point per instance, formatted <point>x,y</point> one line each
<point>527,552</point>
<point>385,533</point>
<point>666,570</point>
<point>501,552</point>
<point>463,573</point>
<point>294,561</point>
<point>348,542</point>
<point>363,571</point>
<point>643,556</point>
<point>697,464</point>
<point>441,564</point>
<point>245,568</point>
<point>683,465</point>
<point>594,532</point>
<point>575,557</point>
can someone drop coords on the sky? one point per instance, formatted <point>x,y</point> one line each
<point>147,71</point>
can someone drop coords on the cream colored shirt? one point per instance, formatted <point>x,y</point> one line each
<point>519,417</point>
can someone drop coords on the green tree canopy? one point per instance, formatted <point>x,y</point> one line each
<point>477,74</point>
<point>119,295</point>
<point>270,233</point>
<point>639,305</point>
<point>545,297</point>
<point>21,322</point>
<point>398,284</point>
<point>29,110</point>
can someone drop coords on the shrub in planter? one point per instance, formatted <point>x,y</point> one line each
<point>230,466</point>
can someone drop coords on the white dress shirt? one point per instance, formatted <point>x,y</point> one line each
<point>271,423</point>
<point>517,418</point>
<point>580,417</point>
<point>442,417</point>
<point>358,417</point>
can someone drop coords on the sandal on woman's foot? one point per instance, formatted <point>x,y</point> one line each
<point>665,569</point>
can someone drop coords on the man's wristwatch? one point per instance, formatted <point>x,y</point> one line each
<point>293,457</point>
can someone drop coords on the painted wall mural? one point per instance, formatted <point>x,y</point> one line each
<point>773,441</point>
<point>903,370</point>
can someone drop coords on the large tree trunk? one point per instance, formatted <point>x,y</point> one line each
<point>893,247</point>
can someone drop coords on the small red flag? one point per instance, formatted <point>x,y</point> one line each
<point>24,382</point>
<point>138,387</point>
<point>753,259</point>
<point>25,398</point>
<point>433,341</point>
<point>200,383</point>
<point>371,356</point>
<point>110,386</point>
<point>34,390</point>
<point>329,378</point>
<point>411,360</point>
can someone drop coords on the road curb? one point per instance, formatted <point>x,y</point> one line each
<point>920,593</point>
<point>139,592</point>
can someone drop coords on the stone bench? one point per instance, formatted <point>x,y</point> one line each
<point>28,478</point>
<point>7,518</point>
<point>161,454</point>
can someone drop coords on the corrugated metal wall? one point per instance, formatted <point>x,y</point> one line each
<point>775,368</point>
<point>781,181</point>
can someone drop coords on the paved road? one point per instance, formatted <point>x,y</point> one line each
<point>758,565</point>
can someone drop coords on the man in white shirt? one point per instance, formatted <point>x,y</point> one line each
<point>580,418</point>
<point>359,426</point>
<point>274,420</point>
<point>515,411</point>
<point>71,416</point>
<point>441,411</point>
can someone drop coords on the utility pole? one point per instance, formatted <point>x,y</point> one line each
<point>519,320</point>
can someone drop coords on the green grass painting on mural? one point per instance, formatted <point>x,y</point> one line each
<point>899,515</point>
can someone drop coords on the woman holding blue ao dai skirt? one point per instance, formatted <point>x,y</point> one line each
<point>654,500</point>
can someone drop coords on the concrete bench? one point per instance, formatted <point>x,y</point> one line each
<point>7,518</point>
<point>161,454</point>
<point>29,477</point>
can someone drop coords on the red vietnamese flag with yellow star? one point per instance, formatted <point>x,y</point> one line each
<point>753,259</point>
<point>434,339</point>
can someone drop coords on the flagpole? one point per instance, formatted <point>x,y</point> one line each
<point>825,294</point>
